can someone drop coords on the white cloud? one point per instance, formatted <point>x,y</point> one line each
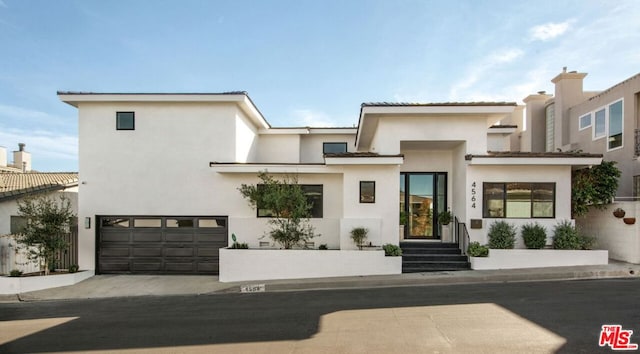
<point>549,30</point>
<point>310,118</point>
<point>483,69</point>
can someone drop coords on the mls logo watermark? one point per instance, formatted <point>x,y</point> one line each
<point>617,338</point>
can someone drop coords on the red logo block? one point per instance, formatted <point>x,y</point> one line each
<point>617,338</point>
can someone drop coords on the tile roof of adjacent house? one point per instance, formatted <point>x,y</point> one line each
<point>15,185</point>
<point>436,104</point>
<point>492,154</point>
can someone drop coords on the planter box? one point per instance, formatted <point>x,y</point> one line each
<point>526,258</point>
<point>258,264</point>
<point>18,285</point>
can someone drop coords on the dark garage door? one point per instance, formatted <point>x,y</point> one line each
<point>160,244</point>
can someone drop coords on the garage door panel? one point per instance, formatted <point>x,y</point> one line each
<point>147,251</point>
<point>178,252</point>
<point>115,266</point>
<point>150,245</point>
<point>212,237</point>
<point>146,265</point>
<point>179,237</point>
<point>115,236</point>
<point>208,251</point>
<point>115,251</point>
<point>180,267</point>
<point>154,236</point>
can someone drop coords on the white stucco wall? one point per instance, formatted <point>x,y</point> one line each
<point>392,130</point>
<point>246,138</point>
<point>561,175</point>
<point>280,148</point>
<point>160,168</point>
<point>311,145</point>
<point>611,233</point>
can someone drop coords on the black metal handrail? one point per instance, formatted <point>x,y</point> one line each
<point>461,235</point>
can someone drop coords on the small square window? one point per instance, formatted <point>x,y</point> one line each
<point>125,121</point>
<point>334,148</point>
<point>367,191</point>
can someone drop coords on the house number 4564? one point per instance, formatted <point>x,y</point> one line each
<point>473,195</point>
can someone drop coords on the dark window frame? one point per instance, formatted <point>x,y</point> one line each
<point>325,144</point>
<point>317,211</point>
<point>485,210</point>
<point>363,198</point>
<point>118,117</point>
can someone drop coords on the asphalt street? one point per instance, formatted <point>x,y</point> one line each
<point>562,316</point>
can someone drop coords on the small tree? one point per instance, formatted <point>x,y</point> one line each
<point>359,236</point>
<point>595,186</point>
<point>48,222</point>
<point>287,205</point>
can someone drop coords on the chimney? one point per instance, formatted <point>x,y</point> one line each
<point>534,134</point>
<point>22,158</point>
<point>3,156</point>
<point>568,93</point>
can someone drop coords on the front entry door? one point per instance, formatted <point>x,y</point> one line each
<point>422,197</point>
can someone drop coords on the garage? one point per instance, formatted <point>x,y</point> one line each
<point>160,244</point>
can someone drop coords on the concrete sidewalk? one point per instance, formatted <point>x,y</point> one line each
<point>105,286</point>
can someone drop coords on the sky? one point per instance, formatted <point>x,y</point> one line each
<point>303,62</point>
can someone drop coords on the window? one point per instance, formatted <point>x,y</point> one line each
<point>550,118</point>
<point>367,191</point>
<point>18,223</point>
<point>151,222</point>
<point>615,125</point>
<point>314,197</point>
<point>125,121</point>
<point>585,121</point>
<point>599,127</point>
<point>519,200</point>
<point>114,222</point>
<point>334,148</point>
<point>181,222</point>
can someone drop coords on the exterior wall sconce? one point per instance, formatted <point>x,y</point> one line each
<point>87,222</point>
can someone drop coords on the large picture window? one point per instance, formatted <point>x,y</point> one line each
<point>519,200</point>
<point>615,125</point>
<point>314,197</point>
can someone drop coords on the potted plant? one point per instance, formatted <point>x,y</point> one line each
<point>444,219</point>
<point>359,235</point>
<point>619,213</point>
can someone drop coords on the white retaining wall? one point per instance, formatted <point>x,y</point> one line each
<point>250,264</point>
<point>525,258</point>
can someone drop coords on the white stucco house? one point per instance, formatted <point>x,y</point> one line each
<point>159,174</point>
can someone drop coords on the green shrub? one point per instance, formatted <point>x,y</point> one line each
<point>566,237</point>
<point>323,247</point>
<point>444,218</point>
<point>534,235</point>
<point>475,249</point>
<point>502,235</point>
<point>239,245</point>
<point>392,250</point>
<point>587,242</point>
<point>15,273</point>
<point>73,268</point>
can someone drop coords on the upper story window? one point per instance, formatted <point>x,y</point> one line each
<point>125,121</point>
<point>334,148</point>
<point>550,118</point>
<point>599,128</point>
<point>585,121</point>
<point>519,200</point>
<point>615,125</point>
<point>314,194</point>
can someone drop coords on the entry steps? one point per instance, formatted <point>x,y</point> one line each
<point>418,257</point>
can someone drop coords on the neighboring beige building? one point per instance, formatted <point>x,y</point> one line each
<point>604,122</point>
